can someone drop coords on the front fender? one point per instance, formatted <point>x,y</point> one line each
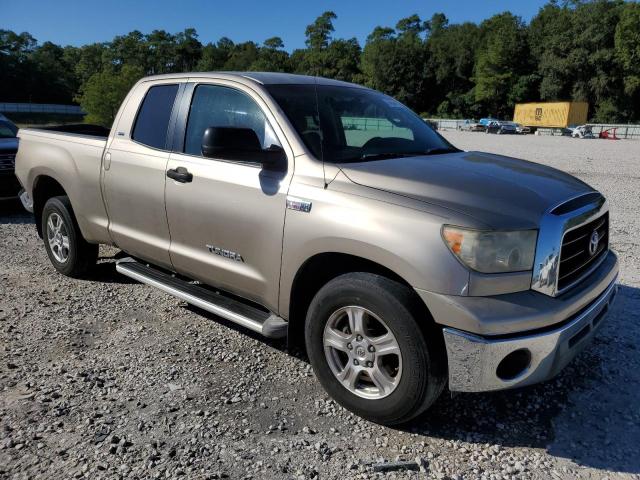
<point>404,240</point>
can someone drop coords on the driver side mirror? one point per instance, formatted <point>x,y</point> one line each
<point>240,144</point>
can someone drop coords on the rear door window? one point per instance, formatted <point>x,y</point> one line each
<point>152,123</point>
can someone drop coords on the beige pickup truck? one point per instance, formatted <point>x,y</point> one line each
<point>331,214</point>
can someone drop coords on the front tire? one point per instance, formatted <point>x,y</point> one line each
<point>68,251</point>
<point>371,351</point>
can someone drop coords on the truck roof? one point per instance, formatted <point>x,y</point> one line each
<point>264,78</point>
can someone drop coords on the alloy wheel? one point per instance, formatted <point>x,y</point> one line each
<point>362,352</point>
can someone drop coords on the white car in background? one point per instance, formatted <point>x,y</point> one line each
<point>582,131</point>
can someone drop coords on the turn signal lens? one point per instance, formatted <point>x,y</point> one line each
<point>453,239</point>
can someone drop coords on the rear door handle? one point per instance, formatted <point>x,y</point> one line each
<point>180,174</point>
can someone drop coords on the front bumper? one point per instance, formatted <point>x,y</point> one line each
<point>478,363</point>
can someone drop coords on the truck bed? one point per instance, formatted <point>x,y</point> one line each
<point>72,156</point>
<point>84,134</point>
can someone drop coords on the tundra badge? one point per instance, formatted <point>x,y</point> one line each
<point>298,204</point>
<point>225,253</point>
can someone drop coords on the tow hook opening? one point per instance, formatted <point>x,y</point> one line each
<point>514,364</point>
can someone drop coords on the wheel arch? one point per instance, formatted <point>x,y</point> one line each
<point>321,268</point>
<point>44,187</point>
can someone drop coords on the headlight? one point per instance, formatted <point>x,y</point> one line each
<point>492,252</point>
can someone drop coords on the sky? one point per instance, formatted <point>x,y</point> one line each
<point>78,22</point>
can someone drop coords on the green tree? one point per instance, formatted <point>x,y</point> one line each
<point>272,57</point>
<point>90,59</point>
<point>102,94</point>
<point>162,52</point>
<point>129,49</point>
<point>319,32</point>
<point>188,50</point>
<point>573,49</point>
<point>395,62</point>
<point>54,79</point>
<point>243,55</point>
<point>627,47</point>
<point>551,41</point>
<point>500,62</point>
<point>452,54</point>
<point>16,68</point>
<point>325,56</point>
<point>596,72</point>
<point>214,56</point>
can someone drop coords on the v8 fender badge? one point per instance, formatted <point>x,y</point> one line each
<point>225,253</point>
<point>298,204</point>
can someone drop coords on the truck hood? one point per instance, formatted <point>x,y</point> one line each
<point>499,191</point>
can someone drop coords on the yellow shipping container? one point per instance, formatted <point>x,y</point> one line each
<point>551,114</point>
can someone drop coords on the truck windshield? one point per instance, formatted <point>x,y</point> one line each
<point>351,124</point>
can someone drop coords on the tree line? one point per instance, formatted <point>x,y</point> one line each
<point>574,50</point>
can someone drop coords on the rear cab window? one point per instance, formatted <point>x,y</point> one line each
<point>152,123</point>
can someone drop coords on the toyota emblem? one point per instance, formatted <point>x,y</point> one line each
<point>593,243</point>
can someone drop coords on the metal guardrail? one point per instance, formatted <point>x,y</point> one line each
<point>41,108</point>
<point>446,123</point>
<point>622,130</point>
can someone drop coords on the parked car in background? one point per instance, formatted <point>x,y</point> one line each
<point>9,186</point>
<point>484,122</point>
<point>471,126</point>
<point>583,131</point>
<point>501,127</point>
<point>521,129</point>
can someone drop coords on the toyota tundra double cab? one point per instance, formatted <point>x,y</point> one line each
<point>333,215</point>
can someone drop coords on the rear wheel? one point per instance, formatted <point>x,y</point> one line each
<point>369,351</point>
<point>68,251</point>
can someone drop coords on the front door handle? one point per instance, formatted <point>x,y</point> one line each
<point>180,174</point>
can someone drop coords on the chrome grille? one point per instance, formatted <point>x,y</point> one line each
<point>578,256</point>
<point>7,161</point>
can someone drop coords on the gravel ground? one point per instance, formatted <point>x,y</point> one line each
<point>105,378</point>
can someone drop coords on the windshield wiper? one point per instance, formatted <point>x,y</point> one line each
<point>431,151</point>
<point>382,156</point>
<point>440,150</point>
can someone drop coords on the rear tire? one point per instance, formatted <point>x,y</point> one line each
<point>68,251</point>
<point>389,388</point>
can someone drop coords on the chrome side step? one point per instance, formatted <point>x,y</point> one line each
<point>263,322</point>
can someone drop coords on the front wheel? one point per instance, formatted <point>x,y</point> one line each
<point>369,351</point>
<point>68,251</point>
